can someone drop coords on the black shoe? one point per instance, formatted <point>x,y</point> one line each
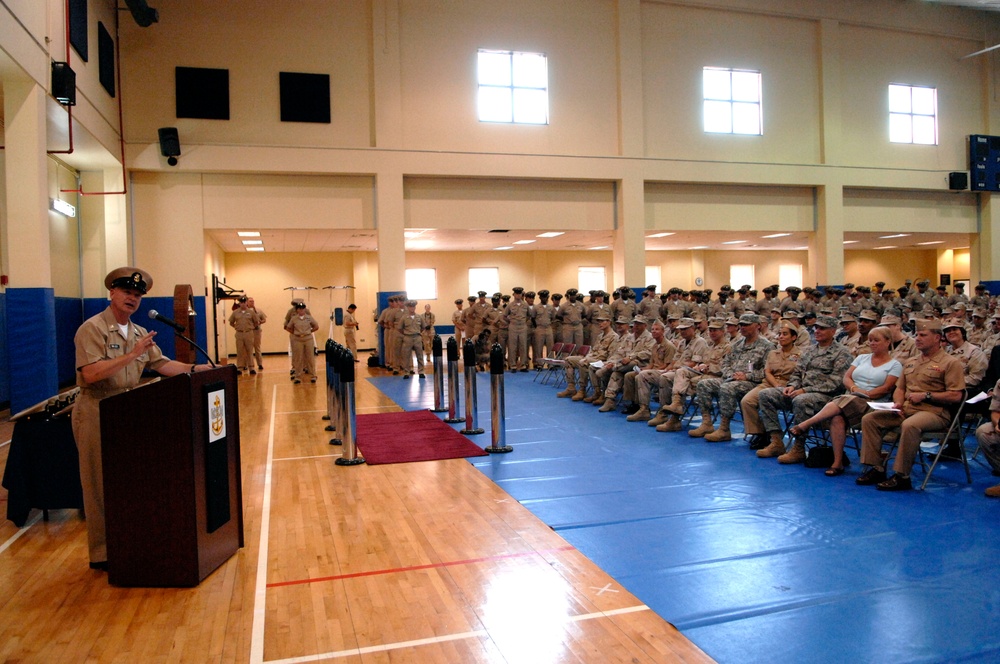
<point>395,373</point>
<point>100,567</point>
<point>253,373</point>
<point>525,370</point>
<point>870,476</point>
<point>406,377</point>
<point>296,381</point>
<point>895,483</point>
<point>631,409</point>
<point>759,441</point>
<point>422,376</point>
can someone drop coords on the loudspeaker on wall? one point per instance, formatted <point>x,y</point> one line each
<point>170,144</point>
<point>63,84</point>
<point>958,181</point>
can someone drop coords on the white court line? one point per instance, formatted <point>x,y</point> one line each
<point>298,412</point>
<point>260,592</point>
<point>315,456</point>
<point>32,521</point>
<point>478,634</point>
<point>5,443</point>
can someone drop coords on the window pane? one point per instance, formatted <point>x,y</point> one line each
<point>717,84</point>
<point>531,106</point>
<point>591,278</point>
<point>741,274</point>
<point>900,129</point>
<point>746,118</point>
<point>653,276</point>
<point>746,86</point>
<point>924,131</point>
<point>923,101</point>
<point>530,70</point>
<point>718,117</point>
<point>494,68</point>
<point>484,279</point>
<point>421,284</point>
<point>789,275</point>
<point>495,105</point>
<point>899,99</point>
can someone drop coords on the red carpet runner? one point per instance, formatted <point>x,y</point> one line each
<point>411,436</point>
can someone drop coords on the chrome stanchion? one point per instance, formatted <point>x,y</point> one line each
<point>334,364</point>
<point>497,416</point>
<point>452,382</point>
<point>438,376</point>
<point>471,400</point>
<point>328,354</point>
<point>351,456</point>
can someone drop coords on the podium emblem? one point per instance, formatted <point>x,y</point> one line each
<point>216,415</point>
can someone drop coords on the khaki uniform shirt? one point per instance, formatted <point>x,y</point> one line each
<point>100,338</point>
<point>781,365</point>
<point>244,320</point>
<point>973,360</point>
<point>938,373</point>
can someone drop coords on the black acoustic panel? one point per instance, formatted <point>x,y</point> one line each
<point>202,93</point>
<point>106,58</point>
<point>305,97</point>
<point>78,28</point>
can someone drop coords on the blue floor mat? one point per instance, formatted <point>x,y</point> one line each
<point>752,560</point>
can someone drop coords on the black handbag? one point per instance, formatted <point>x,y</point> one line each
<point>819,457</point>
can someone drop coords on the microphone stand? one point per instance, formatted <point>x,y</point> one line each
<point>195,346</point>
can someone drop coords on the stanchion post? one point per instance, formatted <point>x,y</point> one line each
<point>335,366</point>
<point>327,353</point>
<point>471,399</point>
<point>351,456</point>
<point>452,382</point>
<point>436,348</point>
<point>497,416</point>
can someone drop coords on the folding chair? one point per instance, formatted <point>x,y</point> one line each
<point>553,365</point>
<point>942,437</point>
<point>542,364</point>
<point>560,379</point>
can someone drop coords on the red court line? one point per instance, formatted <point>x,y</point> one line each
<point>452,563</point>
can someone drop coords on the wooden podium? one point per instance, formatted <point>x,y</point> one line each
<point>173,495</point>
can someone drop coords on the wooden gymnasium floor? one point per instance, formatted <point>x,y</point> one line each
<point>420,562</point>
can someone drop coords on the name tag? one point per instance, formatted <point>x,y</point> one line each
<point>114,347</point>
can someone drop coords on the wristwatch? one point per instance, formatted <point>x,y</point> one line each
<point>927,396</point>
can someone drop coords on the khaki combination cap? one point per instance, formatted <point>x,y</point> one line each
<point>131,278</point>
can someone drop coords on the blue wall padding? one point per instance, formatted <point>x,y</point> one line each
<point>338,315</point>
<point>69,317</point>
<point>31,344</point>
<point>4,355</point>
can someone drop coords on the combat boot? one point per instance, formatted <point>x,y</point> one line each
<point>795,455</point>
<point>673,423</point>
<point>662,415</point>
<point>721,434</point>
<point>609,405</point>
<point>640,415</point>
<point>580,395</point>
<point>705,427</point>
<point>776,448</point>
<point>676,405</point>
<point>568,392</point>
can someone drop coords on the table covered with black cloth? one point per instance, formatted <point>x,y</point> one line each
<point>43,468</point>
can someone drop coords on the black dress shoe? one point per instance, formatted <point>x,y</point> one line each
<point>870,476</point>
<point>759,441</point>
<point>895,483</point>
<point>631,409</point>
<point>100,567</point>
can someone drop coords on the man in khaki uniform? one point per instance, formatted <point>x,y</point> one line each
<point>300,330</point>
<point>691,349</point>
<point>458,320</point>
<point>931,383</point>
<point>409,328</point>
<point>111,354</point>
<point>244,321</point>
<point>351,330</point>
<point>577,365</point>
<point>257,333</point>
<point>636,389</point>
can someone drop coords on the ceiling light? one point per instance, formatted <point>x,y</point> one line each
<point>923,244</point>
<point>412,234</point>
<point>419,244</point>
<point>851,241</point>
<point>524,242</point>
<point>768,237</point>
<point>550,234</point>
<point>659,235</point>
<point>62,207</point>
<point>690,248</point>
<point>800,248</point>
<point>596,248</point>
<point>502,248</point>
<point>735,242</point>
<point>248,233</point>
<point>890,246</point>
<point>887,237</point>
<point>248,243</point>
<point>255,248</point>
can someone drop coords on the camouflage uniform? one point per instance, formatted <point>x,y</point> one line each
<point>687,352</point>
<point>748,358</point>
<point>820,372</point>
<point>662,355</point>
<point>632,352</point>
<point>578,365</point>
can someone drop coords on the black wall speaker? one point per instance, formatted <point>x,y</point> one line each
<point>63,84</point>
<point>170,144</point>
<point>958,181</point>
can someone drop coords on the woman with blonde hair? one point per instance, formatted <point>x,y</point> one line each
<point>871,377</point>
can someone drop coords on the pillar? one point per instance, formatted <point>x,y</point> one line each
<point>630,232</point>
<point>826,251</point>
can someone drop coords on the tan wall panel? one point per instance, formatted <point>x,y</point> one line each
<point>439,44</point>
<point>725,207</point>
<point>870,210</point>
<point>893,266</point>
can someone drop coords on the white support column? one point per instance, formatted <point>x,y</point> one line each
<point>29,255</point>
<point>826,252</point>
<point>630,237</point>
<point>630,121</point>
<point>389,224</point>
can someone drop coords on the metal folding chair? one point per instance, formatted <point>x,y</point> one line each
<point>557,363</point>
<point>542,364</point>
<point>952,433</point>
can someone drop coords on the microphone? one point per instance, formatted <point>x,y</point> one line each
<point>156,315</point>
